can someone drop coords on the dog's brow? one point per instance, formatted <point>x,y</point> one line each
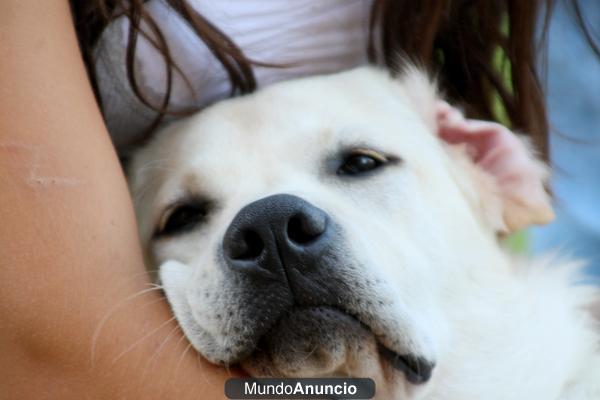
<point>188,191</point>
<point>193,186</point>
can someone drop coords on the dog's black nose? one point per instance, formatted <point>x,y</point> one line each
<point>275,234</point>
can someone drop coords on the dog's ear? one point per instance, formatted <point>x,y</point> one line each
<point>509,178</point>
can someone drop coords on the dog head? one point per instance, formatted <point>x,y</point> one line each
<point>322,227</point>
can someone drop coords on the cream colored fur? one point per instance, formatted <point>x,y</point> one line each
<point>497,327</point>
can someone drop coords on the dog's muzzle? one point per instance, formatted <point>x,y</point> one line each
<point>287,255</point>
<point>278,237</point>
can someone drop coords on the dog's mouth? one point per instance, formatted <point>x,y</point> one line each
<point>416,369</point>
<point>316,338</point>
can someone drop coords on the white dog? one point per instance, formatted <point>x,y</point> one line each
<point>347,225</point>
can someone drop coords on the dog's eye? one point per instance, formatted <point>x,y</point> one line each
<point>182,218</point>
<point>360,162</point>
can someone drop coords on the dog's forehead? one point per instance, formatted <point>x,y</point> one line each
<point>281,123</point>
<point>286,129</point>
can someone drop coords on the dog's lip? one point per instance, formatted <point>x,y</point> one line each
<point>416,369</point>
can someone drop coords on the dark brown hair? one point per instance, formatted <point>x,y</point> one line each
<point>483,52</point>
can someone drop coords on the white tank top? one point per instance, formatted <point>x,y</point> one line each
<point>315,36</point>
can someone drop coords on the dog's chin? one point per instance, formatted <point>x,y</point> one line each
<point>327,342</point>
<point>310,342</point>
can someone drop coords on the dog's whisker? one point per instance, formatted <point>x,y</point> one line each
<point>199,361</point>
<point>152,164</point>
<point>140,193</point>
<point>183,353</point>
<point>112,311</point>
<point>139,341</point>
<point>159,349</point>
<point>310,353</point>
<point>135,276</point>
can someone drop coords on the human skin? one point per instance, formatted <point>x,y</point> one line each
<point>71,324</point>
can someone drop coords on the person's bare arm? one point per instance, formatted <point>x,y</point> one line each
<point>69,256</point>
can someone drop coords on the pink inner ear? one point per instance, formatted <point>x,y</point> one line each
<point>499,152</point>
<point>491,146</point>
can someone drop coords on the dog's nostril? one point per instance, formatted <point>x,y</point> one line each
<point>302,229</point>
<point>270,233</point>
<point>249,247</point>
